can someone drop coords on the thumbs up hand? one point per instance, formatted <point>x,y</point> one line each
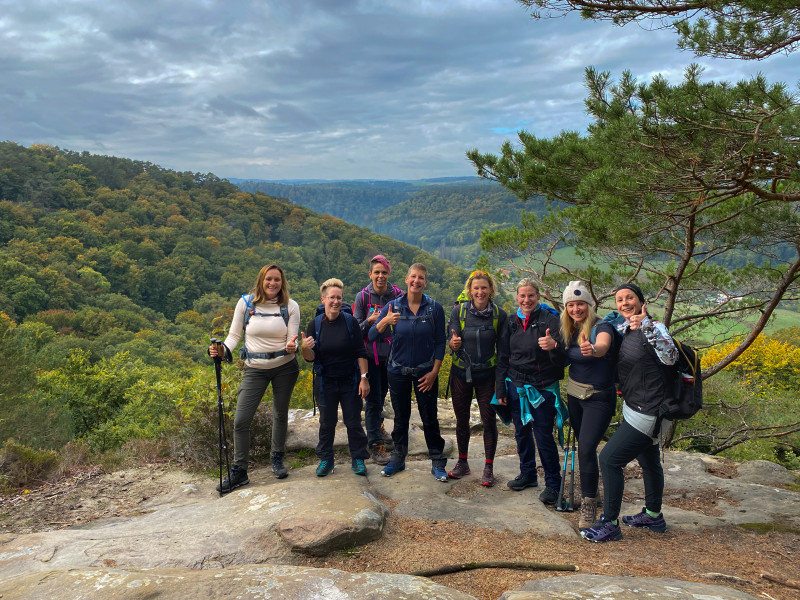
<point>455,341</point>
<point>391,318</point>
<point>586,347</point>
<point>635,321</point>
<point>291,345</point>
<point>547,342</point>
<point>308,342</point>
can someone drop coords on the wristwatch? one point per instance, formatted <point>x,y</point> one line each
<point>363,376</point>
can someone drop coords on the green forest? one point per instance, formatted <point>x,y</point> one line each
<point>444,217</point>
<point>115,273</point>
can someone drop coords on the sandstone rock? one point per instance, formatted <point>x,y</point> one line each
<point>765,472</point>
<point>592,587</point>
<point>243,583</point>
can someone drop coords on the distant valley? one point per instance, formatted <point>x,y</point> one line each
<point>443,216</point>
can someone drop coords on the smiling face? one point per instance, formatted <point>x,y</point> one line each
<point>628,303</point>
<point>416,280</point>
<point>272,283</point>
<point>332,301</point>
<point>380,277</point>
<point>527,299</point>
<point>480,292</point>
<point>577,310</point>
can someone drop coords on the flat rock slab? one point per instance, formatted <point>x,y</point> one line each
<point>242,583</point>
<point>598,587</point>
<point>752,497</point>
<point>420,496</point>
<point>200,530</point>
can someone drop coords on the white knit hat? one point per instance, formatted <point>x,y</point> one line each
<point>576,291</point>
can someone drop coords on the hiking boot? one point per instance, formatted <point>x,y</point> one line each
<point>278,468</point>
<point>325,467</point>
<point>238,478</point>
<point>439,472</point>
<point>602,531</point>
<point>642,519</point>
<point>393,467</point>
<point>588,513</point>
<point>488,475</point>
<point>461,469</point>
<point>379,455</point>
<point>358,466</point>
<point>548,496</point>
<point>387,437</point>
<point>520,482</point>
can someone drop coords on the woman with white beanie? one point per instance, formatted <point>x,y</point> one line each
<point>591,393</point>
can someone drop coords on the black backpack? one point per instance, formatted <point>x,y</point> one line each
<point>686,382</point>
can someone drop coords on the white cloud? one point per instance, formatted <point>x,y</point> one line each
<point>273,89</point>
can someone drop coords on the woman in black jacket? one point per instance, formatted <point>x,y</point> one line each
<point>646,346</point>
<point>530,363</point>
<point>474,325</point>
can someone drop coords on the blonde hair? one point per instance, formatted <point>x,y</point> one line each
<point>527,282</point>
<point>568,328</point>
<point>329,284</point>
<point>418,267</point>
<point>258,291</point>
<point>479,275</point>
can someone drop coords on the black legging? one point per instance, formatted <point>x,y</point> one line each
<point>590,419</point>
<point>462,400</point>
<point>626,444</point>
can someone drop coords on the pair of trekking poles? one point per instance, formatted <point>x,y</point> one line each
<point>223,440</point>
<point>562,504</point>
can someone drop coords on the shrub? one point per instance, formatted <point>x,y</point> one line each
<point>23,467</point>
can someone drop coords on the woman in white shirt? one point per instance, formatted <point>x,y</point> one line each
<point>268,320</point>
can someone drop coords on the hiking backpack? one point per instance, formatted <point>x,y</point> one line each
<point>250,311</point>
<point>686,381</point>
<point>368,309</point>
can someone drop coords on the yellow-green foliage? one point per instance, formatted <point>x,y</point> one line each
<point>767,362</point>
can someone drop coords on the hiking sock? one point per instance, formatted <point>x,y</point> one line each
<point>615,521</point>
<point>652,514</point>
<point>463,457</point>
<point>489,461</point>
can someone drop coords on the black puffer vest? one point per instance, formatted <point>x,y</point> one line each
<point>641,374</point>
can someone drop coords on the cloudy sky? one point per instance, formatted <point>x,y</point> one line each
<point>298,89</point>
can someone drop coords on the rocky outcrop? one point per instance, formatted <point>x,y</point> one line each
<point>598,587</point>
<point>242,583</point>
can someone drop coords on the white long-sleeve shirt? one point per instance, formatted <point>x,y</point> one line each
<point>264,333</point>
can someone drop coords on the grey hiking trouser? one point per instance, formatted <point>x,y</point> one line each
<point>251,391</point>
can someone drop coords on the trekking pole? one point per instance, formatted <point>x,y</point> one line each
<point>560,501</point>
<point>571,505</point>
<point>223,442</point>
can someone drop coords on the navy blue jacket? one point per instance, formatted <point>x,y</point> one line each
<point>417,340</point>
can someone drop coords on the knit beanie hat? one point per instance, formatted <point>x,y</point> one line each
<point>576,291</point>
<point>634,288</point>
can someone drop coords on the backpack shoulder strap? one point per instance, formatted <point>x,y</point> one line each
<point>248,310</point>
<point>495,317</point>
<point>285,313</point>
<point>462,316</point>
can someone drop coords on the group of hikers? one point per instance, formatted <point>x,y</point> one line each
<point>394,340</point>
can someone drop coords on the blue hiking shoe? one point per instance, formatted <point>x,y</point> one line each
<point>602,531</point>
<point>657,524</point>
<point>393,467</point>
<point>359,468</point>
<point>325,467</point>
<point>439,472</point>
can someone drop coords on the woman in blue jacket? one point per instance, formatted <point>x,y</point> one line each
<point>416,324</point>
